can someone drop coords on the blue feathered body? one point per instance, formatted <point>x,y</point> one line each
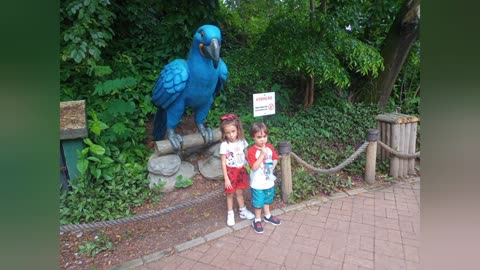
<point>193,82</point>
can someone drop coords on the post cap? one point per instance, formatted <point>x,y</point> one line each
<point>372,134</point>
<point>284,147</point>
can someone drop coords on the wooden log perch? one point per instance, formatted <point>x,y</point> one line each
<point>165,147</point>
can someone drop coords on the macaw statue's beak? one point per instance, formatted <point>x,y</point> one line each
<point>212,51</point>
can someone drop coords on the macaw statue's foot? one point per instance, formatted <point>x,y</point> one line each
<point>207,133</point>
<point>175,139</point>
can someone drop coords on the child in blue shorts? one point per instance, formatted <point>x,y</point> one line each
<point>262,159</point>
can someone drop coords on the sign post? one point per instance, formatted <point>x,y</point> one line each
<point>263,104</point>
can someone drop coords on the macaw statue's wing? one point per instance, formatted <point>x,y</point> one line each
<point>223,75</point>
<point>170,84</point>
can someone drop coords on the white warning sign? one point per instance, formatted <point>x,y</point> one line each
<point>263,104</point>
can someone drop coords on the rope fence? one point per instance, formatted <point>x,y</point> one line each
<point>342,165</point>
<point>72,227</point>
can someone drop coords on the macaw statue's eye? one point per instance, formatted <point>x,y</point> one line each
<point>202,33</point>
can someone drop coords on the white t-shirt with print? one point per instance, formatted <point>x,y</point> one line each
<point>234,153</point>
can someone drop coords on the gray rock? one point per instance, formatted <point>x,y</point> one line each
<point>186,170</point>
<point>213,150</point>
<point>211,168</point>
<point>164,165</point>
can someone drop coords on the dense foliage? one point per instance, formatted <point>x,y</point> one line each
<point>112,52</point>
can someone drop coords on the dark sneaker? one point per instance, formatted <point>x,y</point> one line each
<point>257,226</point>
<point>272,220</point>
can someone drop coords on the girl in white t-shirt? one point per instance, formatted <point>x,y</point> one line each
<point>232,153</point>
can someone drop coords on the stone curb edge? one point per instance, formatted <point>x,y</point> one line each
<point>240,225</point>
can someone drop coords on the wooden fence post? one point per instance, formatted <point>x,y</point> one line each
<point>284,149</point>
<point>372,138</point>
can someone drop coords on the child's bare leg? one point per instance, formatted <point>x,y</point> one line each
<point>258,213</point>
<point>229,201</point>
<point>240,200</point>
<point>266,209</point>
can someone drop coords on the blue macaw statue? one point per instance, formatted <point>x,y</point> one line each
<point>193,82</point>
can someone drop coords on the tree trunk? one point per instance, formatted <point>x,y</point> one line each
<point>400,38</point>
<point>309,92</point>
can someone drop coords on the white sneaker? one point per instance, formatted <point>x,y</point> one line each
<point>245,214</point>
<point>230,218</point>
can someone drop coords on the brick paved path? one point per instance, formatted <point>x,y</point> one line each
<point>375,229</point>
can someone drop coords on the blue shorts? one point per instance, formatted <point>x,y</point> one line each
<point>262,196</point>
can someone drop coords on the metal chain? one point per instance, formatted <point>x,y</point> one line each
<point>396,153</point>
<point>337,168</point>
<point>72,227</point>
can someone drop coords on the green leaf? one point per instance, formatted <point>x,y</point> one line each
<point>88,141</point>
<point>94,159</point>
<point>82,165</point>
<point>97,149</point>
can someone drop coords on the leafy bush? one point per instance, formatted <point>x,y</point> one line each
<point>307,184</point>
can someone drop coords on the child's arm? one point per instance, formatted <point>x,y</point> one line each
<point>253,161</point>
<point>226,179</point>
<point>274,155</point>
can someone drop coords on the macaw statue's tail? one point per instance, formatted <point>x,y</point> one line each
<point>159,124</point>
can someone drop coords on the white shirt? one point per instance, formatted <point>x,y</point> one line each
<point>234,153</point>
<point>258,178</point>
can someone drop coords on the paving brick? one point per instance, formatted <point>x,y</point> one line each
<point>411,253</point>
<point>351,259</point>
<point>380,212</point>
<point>388,235</point>
<point>406,226</point>
<point>345,211</point>
<point>362,229</point>
<point>388,248</point>
<point>273,254</point>
<point>210,254</point>
<point>356,252</point>
<point>305,261</point>
<point>261,265</point>
<point>387,223</point>
<point>292,258</point>
<point>305,245</point>
<point>411,242</point>
<point>389,196</point>
<point>324,249</point>
<point>412,265</point>
<point>326,263</point>
<point>226,243</point>
<point>338,217</point>
<point>239,257</point>
<point>189,253</point>
<point>368,219</point>
<point>311,232</point>
<point>318,221</point>
<point>391,213</point>
<point>367,243</point>
<point>187,265</point>
<point>222,258</point>
<point>383,262</point>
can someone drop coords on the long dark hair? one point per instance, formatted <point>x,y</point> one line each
<point>231,119</point>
